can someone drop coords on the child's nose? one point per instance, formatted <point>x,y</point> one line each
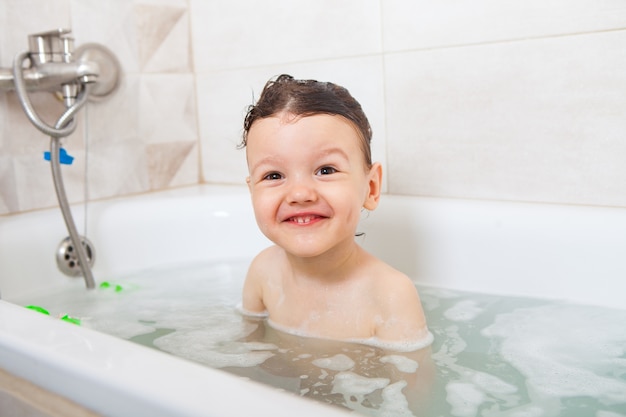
<point>301,191</point>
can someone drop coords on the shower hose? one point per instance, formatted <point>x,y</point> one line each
<point>64,126</point>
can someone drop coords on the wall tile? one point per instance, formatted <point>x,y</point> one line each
<point>539,120</point>
<point>110,23</point>
<point>116,170</point>
<point>20,21</point>
<point>8,191</point>
<point>163,38</point>
<point>240,33</point>
<point>427,24</point>
<point>223,98</point>
<point>167,109</point>
<point>166,160</point>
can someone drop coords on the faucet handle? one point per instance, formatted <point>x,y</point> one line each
<point>51,46</point>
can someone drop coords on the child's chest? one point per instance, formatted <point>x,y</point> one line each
<point>334,311</point>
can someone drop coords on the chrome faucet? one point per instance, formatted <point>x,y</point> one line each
<point>90,71</point>
<point>51,64</point>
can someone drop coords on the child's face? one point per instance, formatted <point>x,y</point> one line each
<point>308,181</point>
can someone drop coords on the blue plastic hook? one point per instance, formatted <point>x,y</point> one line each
<point>64,157</point>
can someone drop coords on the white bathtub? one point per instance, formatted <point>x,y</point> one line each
<point>562,252</point>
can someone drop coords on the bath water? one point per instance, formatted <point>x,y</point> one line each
<point>491,356</point>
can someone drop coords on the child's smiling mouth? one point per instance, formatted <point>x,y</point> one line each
<point>305,219</point>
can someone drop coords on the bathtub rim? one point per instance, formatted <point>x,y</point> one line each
<point>58,356</point>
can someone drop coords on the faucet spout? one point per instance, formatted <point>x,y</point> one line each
<point>50,76</point>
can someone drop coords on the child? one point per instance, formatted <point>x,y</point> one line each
<point>310,176</point>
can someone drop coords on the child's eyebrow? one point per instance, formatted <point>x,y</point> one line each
<point>268,160</point>
<point>332,151</point>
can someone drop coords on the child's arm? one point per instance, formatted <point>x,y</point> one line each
<point>252,296</point>
<point>403,317</point>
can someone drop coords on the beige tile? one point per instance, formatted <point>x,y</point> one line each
<point>163,38</point>
<point>8,192</point>
<point>165,160</point>
<point>539,120</point>
<point>241,34</point>
<point>116,119</point>
<point>20,20</point>
<point>167,108</point>
<point>118,169</point>
<point>426,24</point>
<point>110,23</point>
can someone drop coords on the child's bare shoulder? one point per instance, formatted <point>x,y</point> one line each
<point>262,266</point>
<point>399,306</point>
<point>265,263</point>
<point>267,256</point>
<point>395,281</point>
<point>395,289</point>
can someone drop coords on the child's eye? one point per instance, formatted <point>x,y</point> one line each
<point>273,176</point>
<point>326,171</point>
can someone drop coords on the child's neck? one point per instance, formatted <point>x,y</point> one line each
<point>333,265</point>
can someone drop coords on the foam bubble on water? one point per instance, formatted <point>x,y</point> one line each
<point>259,346</point>
<point>339,362</point>
<point>452,345</point>
<point>603,413</point>
<point>350,385</point>
<point>394,403</point>
<point>463,311</point>
<point>215,344</point>
<point>402,363</point>
<point>492,384</point>
<point>244,312</point>
<point>464,398</point>
<point>566,350</point>
<point>202,346</point>
<point>431,297</point>
<point>527,411</point>
<point>471,387</point>
<point>117,327</point>
<point>400,346</point>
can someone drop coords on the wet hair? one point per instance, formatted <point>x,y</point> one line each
<point>308,98</point>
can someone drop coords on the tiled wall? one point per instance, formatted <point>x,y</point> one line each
<point>505,100</point>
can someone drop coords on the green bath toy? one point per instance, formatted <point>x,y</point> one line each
<point>110,285</point>
<point>72,320</point>
<point>39,310</point>
<point>66,318</point>
<point>105,285</point>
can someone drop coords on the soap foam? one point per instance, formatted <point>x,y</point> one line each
<point>402,363</point>
<point>353,385</point>
<point>354,388</point>
<point>566,350</point>
<point>339,362</point>
<point>244,312</point>
<point>216,349</point>
<point>401,346</point>
<point>464,398</point>
<point>394,403</point>
<point>463,311</point>
<point>471,388</point>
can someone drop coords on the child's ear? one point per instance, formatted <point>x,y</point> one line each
<point>375,178</point>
